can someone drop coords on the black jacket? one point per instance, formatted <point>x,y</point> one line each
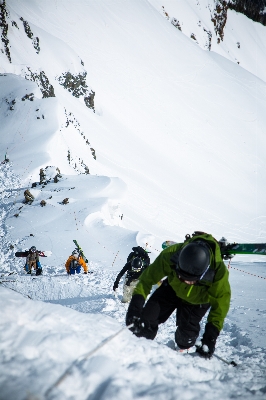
<point>131,275</point>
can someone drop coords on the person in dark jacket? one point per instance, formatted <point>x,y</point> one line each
<point>137,261</point>
<point>196,282</point>
<point>32,261</point>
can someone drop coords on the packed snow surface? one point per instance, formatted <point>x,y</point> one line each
<point>55,331</point>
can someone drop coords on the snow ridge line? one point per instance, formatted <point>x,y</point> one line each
<point>82,225</point>
<point>6,287</point>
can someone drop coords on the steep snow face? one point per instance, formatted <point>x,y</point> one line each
<point>28,123</point>
<point>215,27</point>
<point>182,127</point>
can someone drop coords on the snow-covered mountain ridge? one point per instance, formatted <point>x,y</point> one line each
<point>220,26</point>
<point>178,130</point>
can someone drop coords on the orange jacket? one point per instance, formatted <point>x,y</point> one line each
<point>79,259</point>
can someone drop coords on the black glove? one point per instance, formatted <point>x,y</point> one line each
<point>134,309</point>
<point>115,286</point>
<point>208,341</point>
<point>138,325</point>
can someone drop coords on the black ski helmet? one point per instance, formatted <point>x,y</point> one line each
<point>136,264</point>
<point>193,261</point>
<point>33,249</point>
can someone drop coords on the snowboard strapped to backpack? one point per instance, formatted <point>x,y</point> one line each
<point>228,250</point>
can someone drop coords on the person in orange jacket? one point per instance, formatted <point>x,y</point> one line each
<point>74,263</point>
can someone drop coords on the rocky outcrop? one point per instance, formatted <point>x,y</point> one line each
<point>77,163</point>
<point>253,9</point>
<point>28,31</point>
<point>219,18</point>
<point>4,29</point>
<point>77,86</point>
<point>42,81</point>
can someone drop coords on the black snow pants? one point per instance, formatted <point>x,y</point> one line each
<point>162,303</point>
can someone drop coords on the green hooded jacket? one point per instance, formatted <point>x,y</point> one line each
<point>214,288</point>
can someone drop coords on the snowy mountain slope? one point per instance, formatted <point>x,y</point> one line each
<point>215,27</point>
<point>188,116</point>
<point>48,340</point>
<point>84,208</point>
<point>28,123</point>
<point>174,141</point>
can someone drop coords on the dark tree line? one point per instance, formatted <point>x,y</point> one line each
<point>253,9</point>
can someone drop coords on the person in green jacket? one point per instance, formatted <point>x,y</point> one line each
<point>195,280</point>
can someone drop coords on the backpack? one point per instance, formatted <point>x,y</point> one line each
<point>143,254</point>
<point>74,264</point>
<point>139,251</point>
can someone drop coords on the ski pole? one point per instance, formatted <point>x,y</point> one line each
<point>225,361</point>
<point>84,357</point>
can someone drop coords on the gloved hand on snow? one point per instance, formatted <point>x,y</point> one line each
<point>206,346</point>
<point>203,350</point>
<point>134,313</point>
<point>138,325</point>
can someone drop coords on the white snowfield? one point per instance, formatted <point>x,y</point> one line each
<point>42,343</point>
<point>172,142</point>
